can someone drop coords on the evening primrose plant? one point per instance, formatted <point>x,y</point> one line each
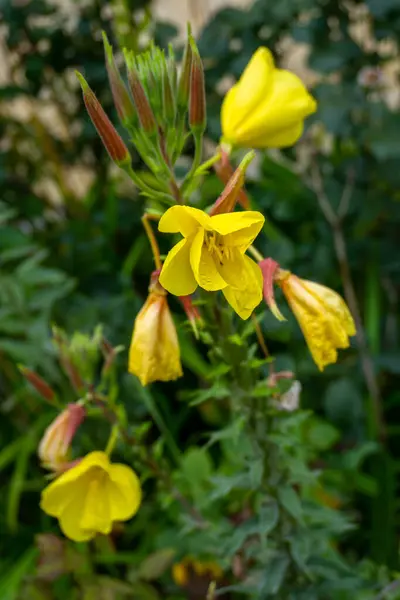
<point>264,490</point>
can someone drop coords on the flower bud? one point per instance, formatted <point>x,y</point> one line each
<point>142,104</point>
<point>111,139</point>
<point>197,100</point>
<point>168,98</point>
<point>154,353</point>
<point>224,172</point>
<point>184,79</point>
<point>38,383</point>
<point>227,200</point>
<point>269,268</point>
<point>192,313</point>
<point>54,447</point>
<point>122,100</point>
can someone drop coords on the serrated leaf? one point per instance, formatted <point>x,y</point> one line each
<point>291,502</point>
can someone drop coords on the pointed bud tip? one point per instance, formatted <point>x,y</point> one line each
<point>84,84</point>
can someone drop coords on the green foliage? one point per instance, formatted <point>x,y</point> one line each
<point>291,505</point>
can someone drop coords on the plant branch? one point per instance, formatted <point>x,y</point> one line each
<point>335,222</point>
<point>153,241</point>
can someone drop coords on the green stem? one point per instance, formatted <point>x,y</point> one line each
<point>163,197</point>
<point>112,439</point>
<point>198,150</point>
<point>158,419</point>
<point>208,163</point>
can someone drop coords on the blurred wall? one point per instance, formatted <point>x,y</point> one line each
<point>195,11</point>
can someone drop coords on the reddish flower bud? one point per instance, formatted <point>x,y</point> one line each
<point>227,200</point>
<point>110,137</point>
<point>122,100</point>
<point>224,172</point>
<point>142,104</point>
<point>184,79</point>
<point>269,268</point>
<point>192,313</point>
<point>54,447</point>
<point>38,383</point>
<point>197,100</point>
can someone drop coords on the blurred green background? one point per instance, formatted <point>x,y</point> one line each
<point>72,250</point>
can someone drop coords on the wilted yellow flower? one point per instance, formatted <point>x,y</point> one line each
<point>323,316</point>
<point>188,568</point>
<point>88,498</point>
<point>212,255</point>
<point>154,354</point>
<point>54,446</point>
<point>266,107</point>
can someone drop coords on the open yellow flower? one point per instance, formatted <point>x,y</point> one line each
<point>212,255</point>
<point>154,354</point>
<point>88,498</point>
<point>267,106</point>
<point>323,316</point>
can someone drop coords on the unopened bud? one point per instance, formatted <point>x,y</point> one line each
<point>269,269</point>
<point>142,104</point>
<point>227,200</point>
<point>224,172</point>
<point>184,79</point>
<point>168,98</point>
<point>38,383</point>
<point>54,447</point>
<point>192,313</point>
<point>122,100</point>
<point>197,100</point>
<point>111,139</point>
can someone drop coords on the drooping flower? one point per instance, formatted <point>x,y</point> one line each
<point>191,571</point>
<point>322,314</point>
<point>212,255</point>
<point>267,106</point>
<point>54,447</point>
<point>88,498</point>
<point>154,354</point>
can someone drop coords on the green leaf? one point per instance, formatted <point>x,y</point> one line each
<point>156,564</point>
<point>291,502</point>
<point>321,434</point>
<point>274,575</point>
<point>12,577</point>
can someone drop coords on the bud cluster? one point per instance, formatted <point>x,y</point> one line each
<point>155,107</point>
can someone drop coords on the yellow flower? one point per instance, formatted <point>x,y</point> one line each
<point>54,446</point>
<point>323,316</point>
<point>88,498</point>
<point>154,354</point>
<point>266,107</point>
<point>189,568</point>
<point>212,255</point>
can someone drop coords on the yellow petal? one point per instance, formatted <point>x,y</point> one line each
<point>288,103</point>
<point>238,228</point>
<point>245,300</point>
<point>203,265</point>
<point>183,219</point>
<point>56,494</point>
<point>96,512</point>
<point>70,518</point>
<point>176,275</point>
<point>124,492</point>
<point>334,303</point>
<point>253,86</point>
<point>281,139</point>
<point>234,268</point>
<point>154,353</point>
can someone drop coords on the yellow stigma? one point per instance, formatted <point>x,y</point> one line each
<point>214,244</point>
